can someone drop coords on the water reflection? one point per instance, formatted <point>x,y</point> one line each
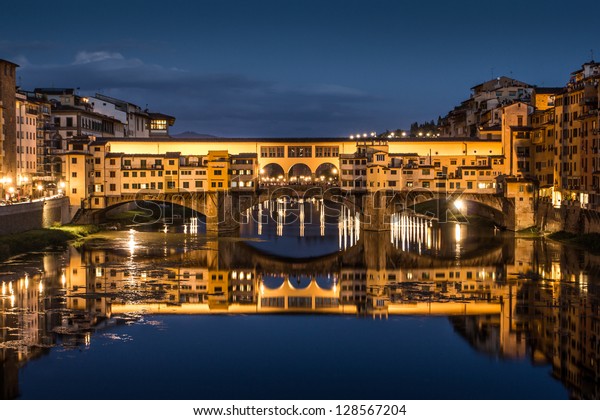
<point>507,297</point>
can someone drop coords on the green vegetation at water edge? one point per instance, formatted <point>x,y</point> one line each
<point>530,232</point>
<point>588,241</point>
<point>39,239</point>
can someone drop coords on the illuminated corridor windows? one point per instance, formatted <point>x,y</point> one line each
<point>299,151</point>
<point>327,151</point>
<point>272,151</point>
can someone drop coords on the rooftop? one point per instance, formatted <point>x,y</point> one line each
<point>9,62</point>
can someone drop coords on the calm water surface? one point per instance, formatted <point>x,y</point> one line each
<point>303,304</point>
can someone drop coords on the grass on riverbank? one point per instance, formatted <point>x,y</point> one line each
<point>39,239</point>
<point>588,241</point>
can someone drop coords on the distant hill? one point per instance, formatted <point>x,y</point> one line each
<point>193,135</point>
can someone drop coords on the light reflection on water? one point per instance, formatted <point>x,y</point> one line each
<point>520,301</point>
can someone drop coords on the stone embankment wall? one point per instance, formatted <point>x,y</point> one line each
<point>569,218</point>
<point>21,217</point>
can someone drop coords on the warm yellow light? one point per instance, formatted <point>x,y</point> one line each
<point>62,185</point>
<point>459,205</point>
<point>334,171</point>
<point>457,234</point>
<point>40,187</point>
<point>11,190</point>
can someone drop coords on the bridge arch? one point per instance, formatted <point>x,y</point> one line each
<point>273,282</point>
<point>299,281</point>
<point>271,171</point>
<point>327,172</point>
<point>453,206</point>
<point>157,210</point>
<point>298,171</point>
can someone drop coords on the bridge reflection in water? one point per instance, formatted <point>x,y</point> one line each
<point>513,298</point>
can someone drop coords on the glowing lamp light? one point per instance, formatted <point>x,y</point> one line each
<point>40,187</point>
<point>459,205</point>
<point>62,185</point>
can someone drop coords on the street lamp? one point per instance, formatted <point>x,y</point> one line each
<point>459,205</point>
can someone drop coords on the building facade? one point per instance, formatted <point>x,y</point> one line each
<point>95,176</point>
<point>8,139</point>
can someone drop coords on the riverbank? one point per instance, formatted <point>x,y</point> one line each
<point>587,241</point>
<point>40,239</point>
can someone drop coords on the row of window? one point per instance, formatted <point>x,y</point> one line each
<point>172,185</point>
<point>26,120</point>
<point>26,165</point>
<point>424,184</point>
<point>26,150</point>
<point>26,135</point>
<point>298,151</point>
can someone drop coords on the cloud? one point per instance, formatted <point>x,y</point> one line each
<point>224,104</point>
<point>84,57</point>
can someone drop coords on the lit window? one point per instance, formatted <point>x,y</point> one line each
<point>158,125</point>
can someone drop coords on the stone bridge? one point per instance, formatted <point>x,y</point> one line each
<point>378,207</point>
<point>224,209</point>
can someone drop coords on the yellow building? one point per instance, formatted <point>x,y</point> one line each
<point>435,164</point>
<point>95,176</point>
<point>218,170</point>
<point>78,173</point>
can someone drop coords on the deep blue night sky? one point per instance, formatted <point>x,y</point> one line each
<point>295,68</point>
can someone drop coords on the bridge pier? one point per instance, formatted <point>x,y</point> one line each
<point>224,210</point>
<point>374,211</point>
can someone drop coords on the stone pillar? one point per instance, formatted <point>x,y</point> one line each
<point>222,218</point>
<point>374,211</point>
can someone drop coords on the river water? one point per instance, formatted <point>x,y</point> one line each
<point>302,304</point>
